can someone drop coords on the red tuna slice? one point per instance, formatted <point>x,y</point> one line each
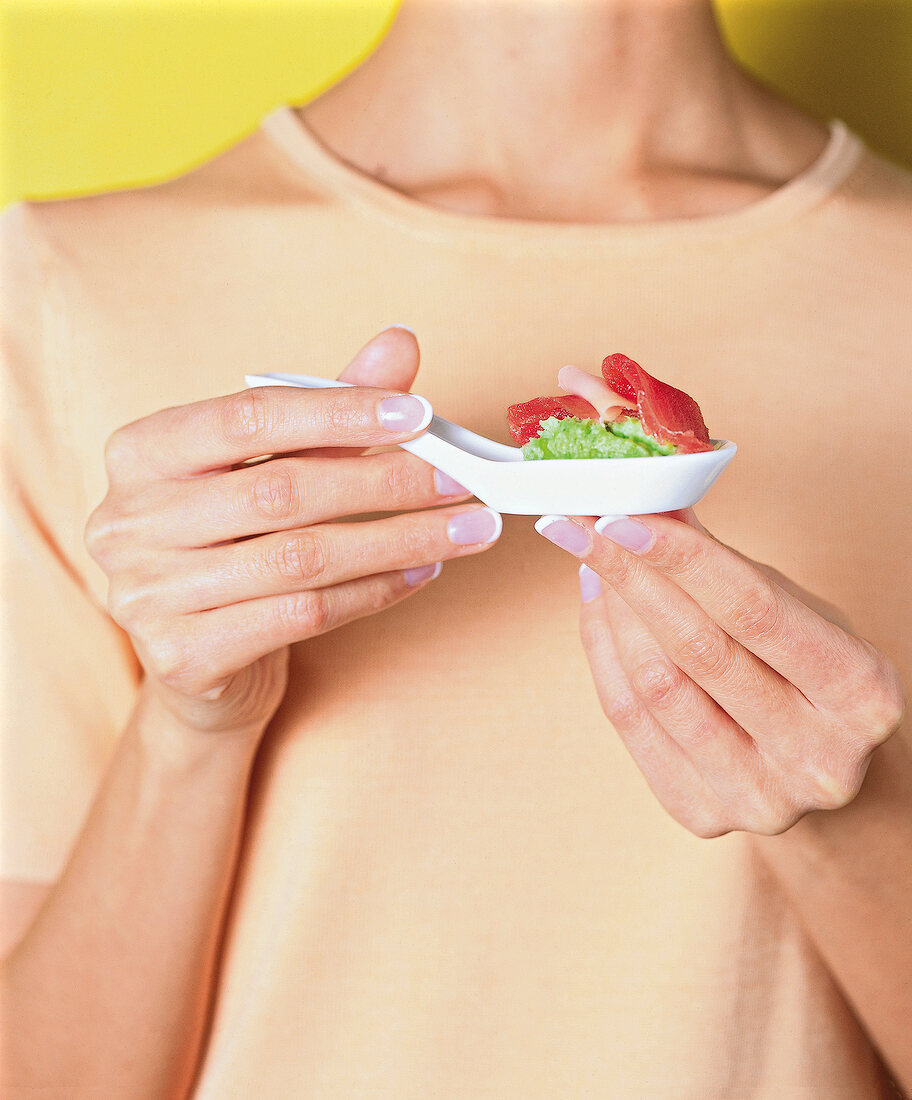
<point>667,414</point>
<point>525,418</point>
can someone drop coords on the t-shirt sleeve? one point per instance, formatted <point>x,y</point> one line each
<point>67,672</point>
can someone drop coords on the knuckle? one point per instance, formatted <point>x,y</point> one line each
<point>119,451</point>
<point>704,652</point>
<point>834,797</point>
<point>418,542</point>
<point>304,613</point>
<point>658,682</point>
<point>826,776</point>
<point>342,416</point>
<point>706,824</point>
<point>756,612</point>
<point>276,493</point>
<point>167,657</point>
<point>399,481</point>
<point>104,533</point>
<point>623,710</point>
<point>622,569</point>
<point>124,601</point>
<point>245,416</point>
<point>301,558</point>
<point>772,822</point>
<point>379,595</point>
<point>834,788</point>
<point>881,695</point>
<point>682,555</point>
<point>767,809</point>
<point>698,733</point>
<point>96,535</point>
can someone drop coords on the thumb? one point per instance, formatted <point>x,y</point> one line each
<point>388,361</point>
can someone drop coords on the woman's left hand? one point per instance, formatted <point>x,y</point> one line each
<point>742,701</point>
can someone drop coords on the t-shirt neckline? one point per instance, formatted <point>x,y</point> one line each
<point>288,131</point>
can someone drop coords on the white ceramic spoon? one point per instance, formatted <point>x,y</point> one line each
<point>499,477</point>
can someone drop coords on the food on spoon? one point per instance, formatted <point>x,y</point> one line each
<point>624,414</point>
<point>570,437</point>
<point>526,418</point>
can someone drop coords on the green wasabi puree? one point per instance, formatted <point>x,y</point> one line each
<point>575,438</point>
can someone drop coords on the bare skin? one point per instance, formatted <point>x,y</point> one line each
<point>592,112</point>
<point>616,112</point>
<point>749,704</point>
<point>214,569</point>
<point>580,111</point>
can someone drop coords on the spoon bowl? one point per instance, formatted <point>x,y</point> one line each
<point>499,477</point>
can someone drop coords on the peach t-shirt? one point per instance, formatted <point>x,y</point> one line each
<point>455,884</point>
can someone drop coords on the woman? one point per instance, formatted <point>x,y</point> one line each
<point>338,853</point>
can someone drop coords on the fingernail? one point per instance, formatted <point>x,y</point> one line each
<point>407,412</point>
<point>468,528</point>
<point>406,327</point>
<point>421,573</point>
<point>590,584</point>
<point>564,533</point>
<point>448,486</point>
<point>625,532</point>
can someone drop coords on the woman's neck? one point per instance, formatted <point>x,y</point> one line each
<point>564,110</point>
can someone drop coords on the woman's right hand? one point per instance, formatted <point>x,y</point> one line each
<point>215,567</point>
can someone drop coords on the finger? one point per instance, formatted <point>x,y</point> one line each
<point>218,433</point>
<point>818,657</point>
<point>294,492</point>
<point>716,745</point>
<point>325,555</point>
<point>756,697</point>
<point>389,361</point>
<point>213,645</point>
<point>670,774</point>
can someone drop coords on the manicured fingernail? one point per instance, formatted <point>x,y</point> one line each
<point>590,584</point>
<point>468,528</point>
<point>564,533</point>
<point>406,327</point>
<point>421,573</point>
<point>625,532</point>
<point>448,486</point>
<point>407,412</point>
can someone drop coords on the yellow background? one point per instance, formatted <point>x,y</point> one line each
<point>96,94</point>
